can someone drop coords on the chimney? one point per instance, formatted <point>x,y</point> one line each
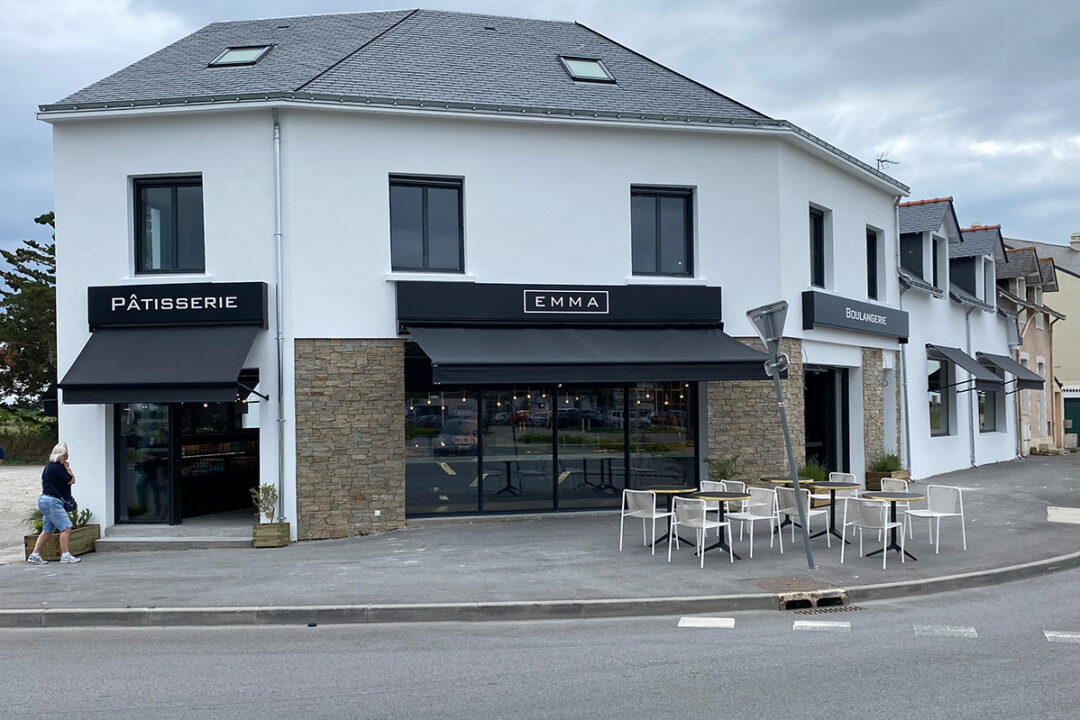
<point>1074,241</point>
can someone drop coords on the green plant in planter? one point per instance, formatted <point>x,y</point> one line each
<point>813,470</point>
<point>79,518</point>
<point>265,498</point>
<point>725,468</point>
<point>889,463</point>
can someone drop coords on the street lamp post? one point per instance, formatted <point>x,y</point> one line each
<point>768,321</point>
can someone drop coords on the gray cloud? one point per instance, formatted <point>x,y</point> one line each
<point>979,99</point>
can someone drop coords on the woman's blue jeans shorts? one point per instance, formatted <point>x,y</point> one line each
<point>53,517</point>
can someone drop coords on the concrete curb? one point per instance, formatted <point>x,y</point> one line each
<point>505,611</point>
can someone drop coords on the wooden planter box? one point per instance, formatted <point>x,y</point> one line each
<point>80,542</point>
<point>873,477</point>
<point>270,535</point>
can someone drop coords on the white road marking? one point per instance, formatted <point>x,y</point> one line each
<point>1061,636</point>
<point>1063,514</point>
<point>817,625</point>
<point>946,631</point>
<point>707,622</point>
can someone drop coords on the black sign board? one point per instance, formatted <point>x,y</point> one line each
<point>183,304</point>
<point>832,311</point>
<point>454,303</point>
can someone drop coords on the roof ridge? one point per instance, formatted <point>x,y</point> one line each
<point>930,201</point>
<point>980,227</point>
<point>333,65</point>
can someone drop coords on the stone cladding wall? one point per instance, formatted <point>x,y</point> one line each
<point>873,399</point>
<point>745,422</point>
<point>350,436</point>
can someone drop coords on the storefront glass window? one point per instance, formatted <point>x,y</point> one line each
<point>987,411</point>
<point>592,447</point>
<point>937,381</point>
<point>518,460</point>
<point>661,437</point>
<point>441,451</point>
<point>144,484</point>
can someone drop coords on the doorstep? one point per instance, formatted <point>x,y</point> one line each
<point>193,536</point>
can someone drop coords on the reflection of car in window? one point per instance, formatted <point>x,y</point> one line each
<point>457,437</point>
<point>638,419</point>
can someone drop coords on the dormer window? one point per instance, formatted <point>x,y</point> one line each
<point>247,55</point>
<point>586,69</point>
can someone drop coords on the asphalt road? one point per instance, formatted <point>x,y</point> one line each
<point>974,654</point>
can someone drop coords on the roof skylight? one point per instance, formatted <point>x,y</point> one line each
<point>587,69</point>
<point>247,55</point>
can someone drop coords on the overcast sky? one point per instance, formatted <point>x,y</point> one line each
<point>978,99</point>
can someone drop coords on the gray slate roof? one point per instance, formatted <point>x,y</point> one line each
<point>1023,263</point>
<point>1064,256</point>
<point>980,241</point>
<point>420,55</point>
<point>923,216</point>
<point>1048,272</point>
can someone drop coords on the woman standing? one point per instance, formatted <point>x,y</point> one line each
<point>56,482</point>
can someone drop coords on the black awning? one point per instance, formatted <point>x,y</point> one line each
<point>984,377</point>
<point>1026,379</point>
<point>472,356</point>
<point>159,364</point>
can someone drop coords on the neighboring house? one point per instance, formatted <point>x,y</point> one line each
<point>425,263</point>
<point>959,413</point>
<point>1060,264</point>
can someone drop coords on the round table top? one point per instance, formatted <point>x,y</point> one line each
<point>780,479</point>
<point>671,489</point>
<point>720,495</point>
<point>892,496</point>
<point>835,485</point>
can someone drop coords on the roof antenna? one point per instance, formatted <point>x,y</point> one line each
<point>883,160</point>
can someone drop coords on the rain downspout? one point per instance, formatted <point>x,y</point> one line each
<point>971,393</point>
<point>279,316</point>
<point>905,427</point>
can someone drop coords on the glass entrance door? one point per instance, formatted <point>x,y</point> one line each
<point>145,487</point>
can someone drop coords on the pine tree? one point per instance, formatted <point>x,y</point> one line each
<point>28,319</point>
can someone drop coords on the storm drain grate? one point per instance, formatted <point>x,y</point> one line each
<point>827,609</point>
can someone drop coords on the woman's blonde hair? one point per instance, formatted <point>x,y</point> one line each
<point>59,453</point>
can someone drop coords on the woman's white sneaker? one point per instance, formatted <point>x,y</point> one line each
<point>36,559</point>
<point>69,558</point>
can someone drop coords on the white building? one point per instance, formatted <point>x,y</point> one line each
<point>960,406</point>
<point>492,252</point>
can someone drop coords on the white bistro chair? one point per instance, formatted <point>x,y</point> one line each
<point>898,485</point>
<point>641,504</point>
<point>691,513</point>
<point>785,496</point>
<point>844,477</point>
<point>941,501</point>
<point>867,514</point>
<point>713,505</point>
<point>761,506</point>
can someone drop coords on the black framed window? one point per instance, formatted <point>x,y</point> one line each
<point>939,392</point>
<point>661,230</point>
<point>987,411</point>
<point>426,230</point>
<point>911,251</point>
<point>169,226</point>
<point>871,264</point>
<point>817,248</point>
<point>934,248</point>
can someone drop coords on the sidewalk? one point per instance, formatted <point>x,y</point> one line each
<point>546,566</point>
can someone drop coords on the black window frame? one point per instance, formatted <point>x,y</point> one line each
<point>426,183</point>
<point>988,414</point>
<point>945,387</point>
<point>140,228</point>
<point>872,264</point>
<point>609,80</point>
<point>658,193</point>
<point>817,247</point>
<point>911,253</point>
<point>935,261</point>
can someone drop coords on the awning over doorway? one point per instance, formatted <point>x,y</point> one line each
<point>480,355</point>
<point>159,364</point>
<point>1026,379</point>
<point>984,377</point>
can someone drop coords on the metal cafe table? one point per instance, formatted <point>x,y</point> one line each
<point>832,486</point>
<point>721,497</point>
<point>669,492</point>
<point>892,498</point>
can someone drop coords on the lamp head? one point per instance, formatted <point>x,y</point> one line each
<point>768,321</point>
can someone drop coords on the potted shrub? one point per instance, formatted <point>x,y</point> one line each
<point>886,467</point>
<point>266,532</point>
<point>82,539</point>
<point>725,468</point>
<point>813,470</point>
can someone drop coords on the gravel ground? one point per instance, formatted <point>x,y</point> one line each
<point>20,486</point>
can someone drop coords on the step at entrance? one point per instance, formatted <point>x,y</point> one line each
<point>224,531</point>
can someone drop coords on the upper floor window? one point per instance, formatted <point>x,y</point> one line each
<point>872,264</point>
<point>939,250</point>
<point>817,248</point>
<point>911,251</point>
<point>169,226</point>
<point>661,231</point>
<point>426,231</point>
